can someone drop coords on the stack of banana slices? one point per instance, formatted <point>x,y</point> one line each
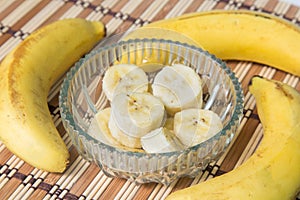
<point>163,116</point>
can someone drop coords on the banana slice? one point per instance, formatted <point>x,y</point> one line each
<point>124,78</point>
<point>193,126</point>
<point>99,128</point>
<point>123,138</point>
<point>137,114</point>
<point>179,87</point>
<point>161,140</point>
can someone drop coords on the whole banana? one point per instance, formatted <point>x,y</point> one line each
<point>235,35</point>
<point>27,73</point>
<point>272,172</point>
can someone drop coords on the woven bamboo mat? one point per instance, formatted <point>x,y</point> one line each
<point>84,180</point>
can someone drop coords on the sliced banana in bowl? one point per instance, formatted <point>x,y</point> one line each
<point>124,78</point>
<point>136,114</point>
<point>165,119</point>
<point>99,128</point>
<point>145,120</point>
<point>179,87</point>
<point>147,144</point>
<point>161,140</point>
<point>102,130</point>
<point>122,137</point>
<point>193,126</point>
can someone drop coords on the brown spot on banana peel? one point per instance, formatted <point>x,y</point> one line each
<point>16,58</point>
<point>280,87</point>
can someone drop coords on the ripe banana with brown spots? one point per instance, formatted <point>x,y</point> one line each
<point>27,73</point>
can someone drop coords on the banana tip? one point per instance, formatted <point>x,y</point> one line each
<point>251,80</point>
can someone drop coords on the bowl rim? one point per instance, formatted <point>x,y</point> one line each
<point>68,118</point>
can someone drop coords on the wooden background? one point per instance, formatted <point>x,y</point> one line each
<point>84,180</point>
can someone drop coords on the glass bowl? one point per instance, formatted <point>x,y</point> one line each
<point>81,96</point>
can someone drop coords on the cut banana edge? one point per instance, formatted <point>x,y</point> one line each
<point>161,140</point>
<point>99,129</point>
<point>193,126</point>
<point>123,138</point>
<point>179,87</point>
<point>137,114</point>
<point>124,78</point>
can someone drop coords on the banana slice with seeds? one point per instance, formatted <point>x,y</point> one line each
<point>124,78</point>
<point>137,114</point>
<point>193,126</point>
<point>179,87</point>
<point>161,140</point>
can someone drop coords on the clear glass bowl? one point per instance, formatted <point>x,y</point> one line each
<point>81,96</point>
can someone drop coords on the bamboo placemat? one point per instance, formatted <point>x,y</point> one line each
<point>84,180</point>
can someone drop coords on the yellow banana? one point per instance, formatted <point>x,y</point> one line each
<point>235,35</point>
<point>27,73</point>
<point>272,172</point>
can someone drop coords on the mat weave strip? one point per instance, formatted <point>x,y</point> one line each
<point>84,180</point>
